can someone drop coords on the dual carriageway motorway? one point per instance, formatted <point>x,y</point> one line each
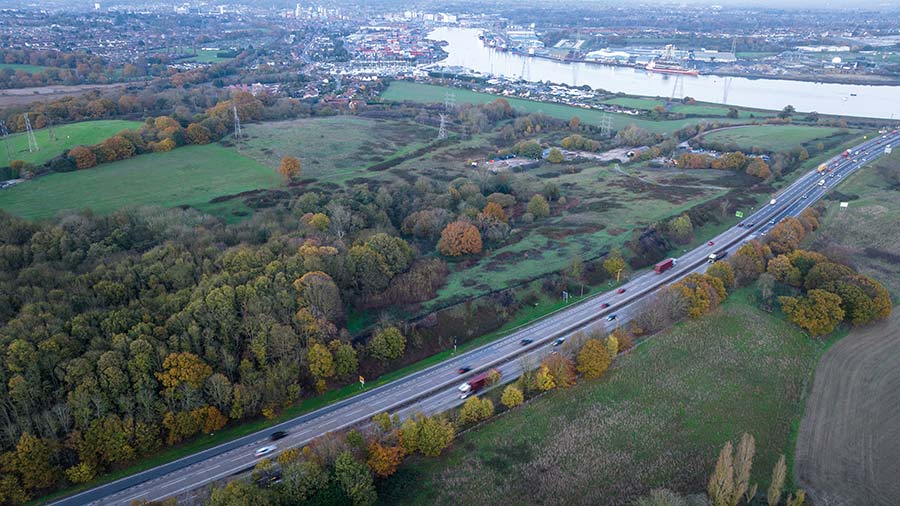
<point>434,389</point>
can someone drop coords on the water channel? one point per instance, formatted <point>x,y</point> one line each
<point>465,49</point>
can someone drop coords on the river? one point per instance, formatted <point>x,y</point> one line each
<point>465,49</point>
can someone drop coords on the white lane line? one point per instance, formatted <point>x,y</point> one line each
<point>133,497</point>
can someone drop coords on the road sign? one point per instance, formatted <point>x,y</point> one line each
<point>362,381</point>
<point>844,205</point>
<point>739,214</point>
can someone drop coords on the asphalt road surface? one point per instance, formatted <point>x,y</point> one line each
<point>434,389</point>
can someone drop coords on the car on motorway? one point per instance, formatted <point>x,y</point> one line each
<point>610,317</point>
<point>741,224</point>
<point>604,305</point>
<point>559,341</point>
<point>749,225</point>
<point>803,196</point>
<point>620,290</point>
<point>278,435</point>
<point>771,222</point>
<point>711,243</point>
<point>526,341</point>
<point>464,369</point>
<point>265,450</point>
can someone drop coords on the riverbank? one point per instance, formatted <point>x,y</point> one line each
<point>872,100</point>
<point>848,79</point>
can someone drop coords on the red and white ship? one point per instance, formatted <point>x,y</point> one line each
<point>667,64</point>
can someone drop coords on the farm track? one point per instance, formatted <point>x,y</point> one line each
<point>848,448</point>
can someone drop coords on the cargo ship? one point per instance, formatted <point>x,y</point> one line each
<point>665,67</point>
<point>667,64</point>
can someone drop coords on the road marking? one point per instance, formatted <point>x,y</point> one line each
<point>133,497</point>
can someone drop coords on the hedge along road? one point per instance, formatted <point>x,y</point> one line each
<point>434,387</point>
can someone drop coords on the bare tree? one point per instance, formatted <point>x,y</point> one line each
<point>340,219</point>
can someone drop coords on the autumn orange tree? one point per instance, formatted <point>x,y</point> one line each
<point>83,157</point>
<point>724,271</point>
<point>703,292</point>
<point>786,235</point>
<point>460,238</point>
<point>116,148</point>
<point>863,299</point>
<point>560,369</point>
<point>198,134</point>
<point>759,168</point>
<point>593,359</point>
<point>495,211</point>
<point>749,261</point>
<point>183,368</point>
<point>290,167</point>
<point>384,460</point>
<point>819,312</point>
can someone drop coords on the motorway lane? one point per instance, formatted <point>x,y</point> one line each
<point>808,186</point>
<point>436,386</point>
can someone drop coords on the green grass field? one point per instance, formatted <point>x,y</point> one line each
<point>207,56</point>
<point>707,110</point>
<point>609,206</point>
<point>770,137</point>
<point>190,175</point>
<point>31,69</point>
<point>404,90</point>
<point>657,419</point>
<point>868,221</point>
<point>65,136</point>
<point>333,149</point>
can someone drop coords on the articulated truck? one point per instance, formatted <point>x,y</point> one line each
<point>664,265</point>
<point>476,383</point>
<point>715,257</point>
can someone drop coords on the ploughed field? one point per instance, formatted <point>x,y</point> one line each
<point>848,449</point>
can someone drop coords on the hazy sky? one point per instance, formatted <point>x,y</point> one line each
<point>887,5</point>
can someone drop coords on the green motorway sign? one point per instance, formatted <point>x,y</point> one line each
<point>739,214</point>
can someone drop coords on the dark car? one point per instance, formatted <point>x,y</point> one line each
<point>278,435</point>
<point>620,290</point>
<point>526,341</point>
<point>610,317</point>
<point>464,369</point>
<point>604,305</point>
<point>711,243</point>
<point>749,225</point>
<point>741,224</point>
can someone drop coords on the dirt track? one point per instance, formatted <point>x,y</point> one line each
<point>848,448</point>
